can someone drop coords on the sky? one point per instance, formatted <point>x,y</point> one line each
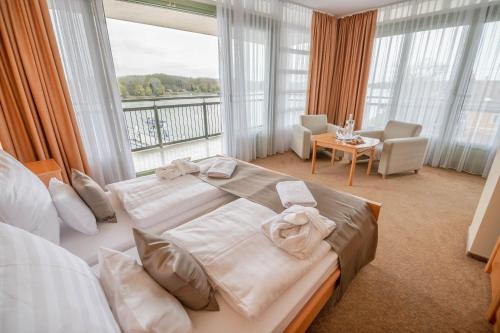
<point>145,49</point>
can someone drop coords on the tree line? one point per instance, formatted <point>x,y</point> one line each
<point>132,86</point>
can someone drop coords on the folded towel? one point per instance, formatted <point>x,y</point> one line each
<point>177,168</point>
<point>298,230</point>
<point>222,167</point>
<point>295,193</point>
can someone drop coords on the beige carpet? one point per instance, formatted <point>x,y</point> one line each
<point>421,280</point>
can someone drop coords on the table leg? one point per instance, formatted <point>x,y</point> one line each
<point>333,156</point>
<point>353,167</point>
<point>370,161</point>
<point>313,166</point>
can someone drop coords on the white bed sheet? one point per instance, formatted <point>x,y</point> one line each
<point>276,318</point>
<point>118,236</point>
<point>147,199</point>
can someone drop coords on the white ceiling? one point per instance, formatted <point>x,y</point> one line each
<point>344,7</point>
<point>133,12</point>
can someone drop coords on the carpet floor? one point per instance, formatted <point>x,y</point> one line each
<point>421,279</point>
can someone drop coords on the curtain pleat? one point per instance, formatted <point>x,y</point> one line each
<point>352,64</point>
<point>322,63</point>
<point>37,117</point>
<point>340,62</point>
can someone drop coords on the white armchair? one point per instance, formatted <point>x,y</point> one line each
<point>309,125</point>
<point>400,149</point>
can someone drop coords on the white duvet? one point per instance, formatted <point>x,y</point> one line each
<point>150,200</point>
<point>243,264</point>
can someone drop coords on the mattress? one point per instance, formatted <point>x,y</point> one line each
<point>118,236</point>
<point>276,318</point>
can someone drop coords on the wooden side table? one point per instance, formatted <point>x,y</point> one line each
<point>328,140</point>
<point>45,170</point>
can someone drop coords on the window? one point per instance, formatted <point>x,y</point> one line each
<point>437,63</point>
<point>168,80</point>
<point>481,108</point>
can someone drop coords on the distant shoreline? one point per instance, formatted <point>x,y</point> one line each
<point>165,85</point>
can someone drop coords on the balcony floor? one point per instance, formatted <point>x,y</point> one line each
<point>152,158</point>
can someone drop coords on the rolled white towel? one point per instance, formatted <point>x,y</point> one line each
<point>222,167</point>
<point>177,168</point>
<point>298,230</point>
<point>295,193</point>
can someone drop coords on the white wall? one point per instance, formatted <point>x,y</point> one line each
<point>485,227</point>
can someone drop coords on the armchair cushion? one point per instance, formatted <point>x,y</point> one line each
<point>397,129</point>
<point>316,123</point>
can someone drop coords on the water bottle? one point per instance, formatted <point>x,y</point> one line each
<point>350,127</point>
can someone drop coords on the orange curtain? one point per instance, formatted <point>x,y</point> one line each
<point>352,64</point>
<point>323,43</point>
<point>352,56</point>
<point>37,120</point>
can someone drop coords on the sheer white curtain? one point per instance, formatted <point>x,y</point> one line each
<point>264,62</point>
<point>437,63</point>
<point>80,28</point>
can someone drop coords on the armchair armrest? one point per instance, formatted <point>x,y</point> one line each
<point>331,128</point>
<point>377,134</point>
<point>301,130</point>
<point>301,141</point>
<point>412,141</point>
<point>402,154</point>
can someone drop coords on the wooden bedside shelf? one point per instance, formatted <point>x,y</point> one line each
<point>493,267</point>
<point>45,170</point>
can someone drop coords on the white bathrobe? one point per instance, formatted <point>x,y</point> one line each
<point>298,230</point>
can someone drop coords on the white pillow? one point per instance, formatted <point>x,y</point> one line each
<point>71,208</point>
<point>137,301</point>
<point>44,288</point>
<point>24,201</point>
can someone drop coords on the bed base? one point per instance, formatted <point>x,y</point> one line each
<point>305,317</point>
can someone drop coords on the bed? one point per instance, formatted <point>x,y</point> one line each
<point>297,307</point>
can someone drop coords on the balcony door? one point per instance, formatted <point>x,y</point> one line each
<point>166,61</point>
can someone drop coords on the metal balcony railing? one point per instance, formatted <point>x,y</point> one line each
<point>156,122</point>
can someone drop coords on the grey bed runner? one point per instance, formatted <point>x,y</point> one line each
<point>356,235</point>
